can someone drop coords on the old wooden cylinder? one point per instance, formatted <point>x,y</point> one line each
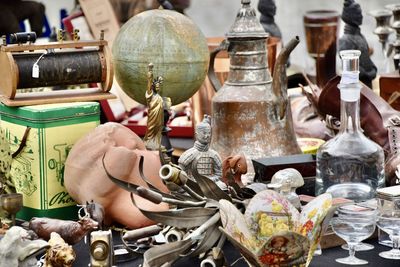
<point>321,28</point>
<point>64,68</point>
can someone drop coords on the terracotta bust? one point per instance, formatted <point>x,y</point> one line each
<point>86,180</point>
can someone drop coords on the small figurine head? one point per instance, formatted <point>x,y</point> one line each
<point>203,131</point>
<point>267,8</point>
<point>352,13</point>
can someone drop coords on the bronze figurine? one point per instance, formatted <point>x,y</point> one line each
<point>155,111</point>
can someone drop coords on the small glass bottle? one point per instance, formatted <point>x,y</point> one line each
<point>350,165</point>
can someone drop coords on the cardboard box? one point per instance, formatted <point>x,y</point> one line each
<point>38,170</point>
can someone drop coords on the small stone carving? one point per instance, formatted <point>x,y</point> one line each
<point>72,232</point>
<point>17,250</point>
<point>232,169</point>
<point>60,254</point>
<point>353,39</point>
<point>285,182</point>
<point>208,160</point>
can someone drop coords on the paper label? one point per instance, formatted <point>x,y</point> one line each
<point>35,71</point>
<point>349,77</point>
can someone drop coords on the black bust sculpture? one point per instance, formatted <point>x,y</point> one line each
<point>353,39</point>
<point>267,9</point>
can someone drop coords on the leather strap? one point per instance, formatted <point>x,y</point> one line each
<point>385,110</point>
<point>394,135</point>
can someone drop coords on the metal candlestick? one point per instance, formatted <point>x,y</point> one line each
<point>382,29</point>
<point>395,8</point>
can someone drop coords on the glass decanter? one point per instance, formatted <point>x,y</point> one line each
<point>350,165</point>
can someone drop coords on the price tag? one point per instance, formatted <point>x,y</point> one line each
<point>35,71</point>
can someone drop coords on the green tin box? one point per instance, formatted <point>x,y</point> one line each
<point>38,170</point>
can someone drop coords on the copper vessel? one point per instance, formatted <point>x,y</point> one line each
<point>201,100</point>
<point>321,27</point>
<point>251,112</point>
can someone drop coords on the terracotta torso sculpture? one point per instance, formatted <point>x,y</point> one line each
<point>86,180</point>
<point>353,39</point>
<point>209,162</point>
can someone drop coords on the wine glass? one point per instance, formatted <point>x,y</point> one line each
<point>353,226</point>
<point>359,193</point>
<point>11,203</point>
<point>389,221</point>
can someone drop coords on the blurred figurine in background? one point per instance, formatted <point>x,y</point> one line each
<point>353,39</point>
<point>209,162</point>
<point>267,9</point>
<point>12,12</point>
<point>125,9</point>
<point>180,5</point>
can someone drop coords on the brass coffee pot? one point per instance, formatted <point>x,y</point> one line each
<point>251,112</point>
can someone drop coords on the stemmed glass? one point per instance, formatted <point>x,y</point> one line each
<point>353,226</point>
<point>11,203</point>
<point>389,221</point>
<point>359,193</point>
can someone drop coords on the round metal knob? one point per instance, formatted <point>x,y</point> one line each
<point>99,250</point>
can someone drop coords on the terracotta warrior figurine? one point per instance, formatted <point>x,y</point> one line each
<point>267,9</point>
<point>209,162</point>
<point>155,111</point>
<point>353,39</point>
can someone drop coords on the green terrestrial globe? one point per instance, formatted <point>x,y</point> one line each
<point>169,40</point>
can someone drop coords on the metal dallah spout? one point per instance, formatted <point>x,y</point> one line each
<point>279,82</point>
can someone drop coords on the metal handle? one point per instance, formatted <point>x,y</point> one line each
<point>223,46</point>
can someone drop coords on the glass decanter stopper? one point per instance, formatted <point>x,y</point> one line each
<point>350,165</point>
